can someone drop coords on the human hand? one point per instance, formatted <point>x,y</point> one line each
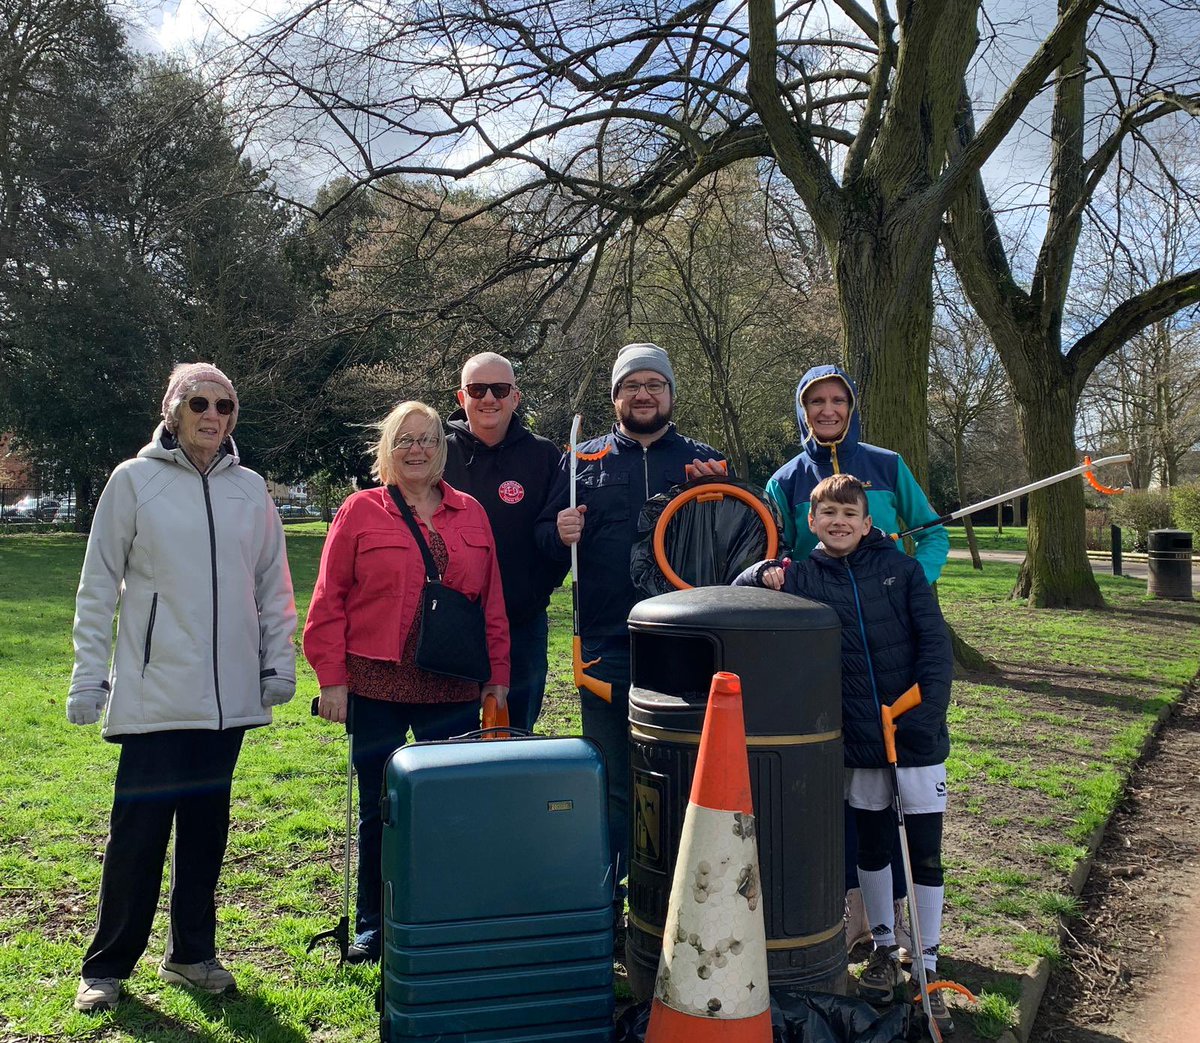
<point>332,704</point>
<point>276,691</point>
<point>570,524</point>
<point>769,573</point>
<point>772,577</point>
<point>498,691</point>
<point>85,707</point>
<point>705,469</point>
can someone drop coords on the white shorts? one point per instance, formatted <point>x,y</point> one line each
<point>923,790</point>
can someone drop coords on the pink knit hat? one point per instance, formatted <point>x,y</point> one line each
<point>185,377</point>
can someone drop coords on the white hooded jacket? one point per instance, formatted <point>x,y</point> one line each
<point>199,568</point>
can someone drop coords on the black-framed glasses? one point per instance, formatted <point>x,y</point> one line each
<point>198,404</point>
<point>629,388</point>
<point>479,390</point>
<point>424,441</point>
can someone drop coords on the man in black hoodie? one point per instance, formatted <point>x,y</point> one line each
<point>494,457</point>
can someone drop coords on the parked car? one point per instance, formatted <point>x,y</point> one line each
<point>291,510</point>
<point>65,513</point>
<point>30,508</point>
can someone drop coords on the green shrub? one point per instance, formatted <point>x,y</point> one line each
<point>1142,511</point>
<point>1185,501</point>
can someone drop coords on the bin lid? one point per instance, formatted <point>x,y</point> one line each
<point>731,608</point>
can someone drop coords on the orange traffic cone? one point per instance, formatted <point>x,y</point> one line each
<point>712,976</point>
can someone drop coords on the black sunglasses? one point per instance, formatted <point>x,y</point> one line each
<point>199,404</point>
<point>497,390</point>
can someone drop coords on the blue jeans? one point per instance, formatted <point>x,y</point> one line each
<point>380,728</point>
<point>528,685</point>
<point>607,725</point>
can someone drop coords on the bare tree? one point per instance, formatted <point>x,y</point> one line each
<point>1098,139</point>
<point>967,389</point>
<point>738,309</point>
<point>592,115</point>
<point>1145,398</point>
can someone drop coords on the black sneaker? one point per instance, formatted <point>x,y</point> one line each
<point>882,976</point>
<point>361,954</point>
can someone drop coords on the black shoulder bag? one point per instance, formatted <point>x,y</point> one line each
<point>453,637</point>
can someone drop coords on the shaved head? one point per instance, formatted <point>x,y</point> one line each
<point>493,361</point>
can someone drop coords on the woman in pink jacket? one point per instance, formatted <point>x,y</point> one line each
<point>364,620</point>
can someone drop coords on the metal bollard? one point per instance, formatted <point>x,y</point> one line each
<point>1115,544</point>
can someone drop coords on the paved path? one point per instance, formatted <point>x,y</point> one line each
<point>1133,569</point>
<point>1170,1013</point>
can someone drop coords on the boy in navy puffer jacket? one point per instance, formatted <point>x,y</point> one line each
<point>893,636</point>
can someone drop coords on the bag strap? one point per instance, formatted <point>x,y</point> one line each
<point>431,570</point>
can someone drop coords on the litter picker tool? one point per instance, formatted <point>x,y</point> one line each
<point>711,490</point>
<point>888,715</point>
<point>1084,469</point>
<point>341,933</point>
<point>495,719</point>
<point>599,688</point>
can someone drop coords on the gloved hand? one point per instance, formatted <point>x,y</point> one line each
<point>86,706</point>
<point>276,691</point>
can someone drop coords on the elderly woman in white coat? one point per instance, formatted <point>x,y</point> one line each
<point>187,549</point>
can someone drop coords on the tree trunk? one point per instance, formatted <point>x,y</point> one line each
<point>960,486</point>
<point>1056,572</point>
<point>884,275</point>
<point>967,658</point>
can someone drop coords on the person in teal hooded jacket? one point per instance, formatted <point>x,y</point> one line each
<point>827,409</point>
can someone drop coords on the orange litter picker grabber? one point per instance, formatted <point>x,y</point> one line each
<point>888,715</point>
<point>599,688</point>
<point>1084,469</point>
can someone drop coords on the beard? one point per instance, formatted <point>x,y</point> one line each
<point>648,426</point>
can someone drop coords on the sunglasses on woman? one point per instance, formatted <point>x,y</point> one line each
<point>198,404</point>
<point>497,390</point>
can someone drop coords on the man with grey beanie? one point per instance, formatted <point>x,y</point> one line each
<point>641,456</point>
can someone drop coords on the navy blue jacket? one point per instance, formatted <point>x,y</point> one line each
<point>513,480</point>
<point>893,635</point>
<point>613,488</point>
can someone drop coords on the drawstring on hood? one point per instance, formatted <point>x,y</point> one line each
<point>848,441</point>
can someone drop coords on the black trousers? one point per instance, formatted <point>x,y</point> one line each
<point>380,728</point>
<point>164,778</point>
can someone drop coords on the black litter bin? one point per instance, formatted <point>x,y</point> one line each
<point>787,652</point>
<point>1169,571</point>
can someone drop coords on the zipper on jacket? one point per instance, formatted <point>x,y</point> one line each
<point>212,551</point>
<point>150,631</point>
<point>862,630</point>
<point>646,471</point>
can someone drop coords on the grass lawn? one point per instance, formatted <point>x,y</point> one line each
<point>1041,749</point>
<point>1010,538</point>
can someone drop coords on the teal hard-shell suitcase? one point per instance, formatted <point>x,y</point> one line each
<point>497,893</point>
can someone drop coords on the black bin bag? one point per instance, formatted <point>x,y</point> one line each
<point>708,541</point>
<point>812,1017</point>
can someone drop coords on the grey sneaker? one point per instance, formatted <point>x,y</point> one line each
<point>882,976</point>
<point>854,917</point>
<point>207,976</point>
<point>97,994</point>
<point>941,1013</point>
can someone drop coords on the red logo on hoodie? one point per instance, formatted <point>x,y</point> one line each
<point>511,492</point>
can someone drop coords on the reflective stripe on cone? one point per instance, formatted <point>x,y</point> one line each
<point>712,984</point>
